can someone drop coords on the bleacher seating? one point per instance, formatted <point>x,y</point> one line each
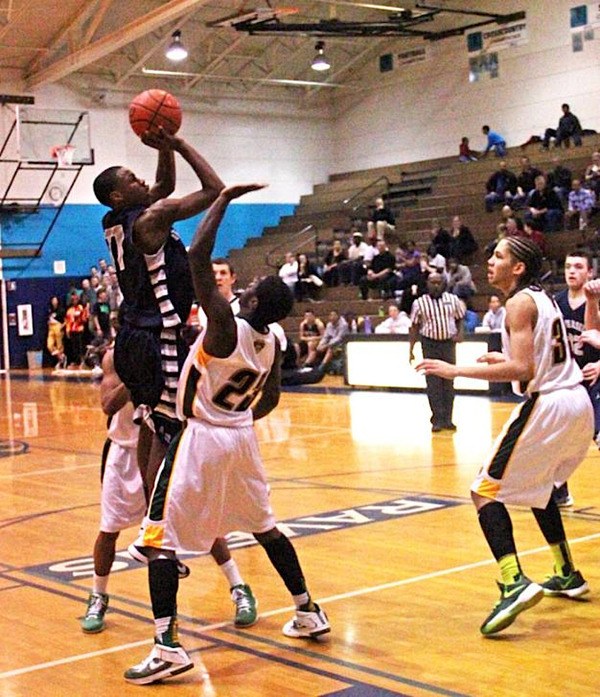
<point>417,193</point>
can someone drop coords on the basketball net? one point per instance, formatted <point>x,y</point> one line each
<point>63,154</point>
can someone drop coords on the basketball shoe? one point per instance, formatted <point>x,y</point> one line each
<point>514,598</point>
<point>93,620</point>
<point>163,661</point>
<point>571,586</point>
<point>307,624</point>
<point>245,605</point>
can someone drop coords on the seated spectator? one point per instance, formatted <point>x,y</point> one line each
<point>465,154</point>
<point>459,280</point>
<point>525,182</point>
<point>545,206</point>
<point>514,227</point>
<point>500,235</point>
<point>441,240</point>
<point>494,142</point>
<point>560,179</point>
<point>581,203</point>
<point>506,212</point>
<point>311,330</point>
<point>332,340</point>
<point>494,317</point>
<point>534,231</point>
<point>334,258</point>
<point>352,269</point>
<point>568,127</point>
<point>382,221</point>
<point>380,273</point>
<point>592,175</point>
<point>309,281</point>
<point>471,321</point>
<point>435,263</point>
<point>397,322</point>
<point>408,265</point>
<point>289,271</point>
<point>462,244</point>
<point>501,187</point>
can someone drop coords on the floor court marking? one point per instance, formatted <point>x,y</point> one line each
<point>279,611</point>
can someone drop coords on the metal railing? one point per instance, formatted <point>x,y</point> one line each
<point>358,194</point>
<point>294,243</point>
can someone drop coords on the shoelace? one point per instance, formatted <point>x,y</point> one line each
<point>242,601</point>
<point>96,605</point>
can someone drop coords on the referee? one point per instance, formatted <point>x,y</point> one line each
<point>438,317</point>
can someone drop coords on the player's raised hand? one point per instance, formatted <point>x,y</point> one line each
<point>592,289</point>
<point>591,337</point>
<point>160,139</point>
<point>237,190</point>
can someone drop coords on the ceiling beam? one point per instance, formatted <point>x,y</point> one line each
<point>112,42</point>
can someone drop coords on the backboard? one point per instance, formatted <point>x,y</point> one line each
<point>44,134</point>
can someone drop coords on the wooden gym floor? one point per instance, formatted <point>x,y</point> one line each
<point>382,522</point>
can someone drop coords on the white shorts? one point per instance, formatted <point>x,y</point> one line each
<point>543,442</point>
<point>123,502</point>
<point>211,482</point>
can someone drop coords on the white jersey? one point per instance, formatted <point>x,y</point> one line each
<point>222,390</point>
<point>122,430</point>
<point>555,368</point>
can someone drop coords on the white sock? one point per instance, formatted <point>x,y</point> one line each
<point>300,600</point>
<point>232,573</point>
<point>100,583</point>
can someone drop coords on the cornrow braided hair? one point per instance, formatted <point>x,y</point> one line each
<point>530,254</point>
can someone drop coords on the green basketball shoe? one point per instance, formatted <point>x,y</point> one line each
<point>245,605</point>
<point>93,620</point>
<point>571,586</point>
<point>514,598</point>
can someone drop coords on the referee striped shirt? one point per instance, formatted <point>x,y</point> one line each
<point>436,317</point>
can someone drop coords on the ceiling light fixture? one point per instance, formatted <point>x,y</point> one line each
<point>320,63</point>
<point>176,51</point>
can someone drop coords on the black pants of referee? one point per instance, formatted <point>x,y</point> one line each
<point>440,392</point>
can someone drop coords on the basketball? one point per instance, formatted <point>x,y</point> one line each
<point>154,108</point>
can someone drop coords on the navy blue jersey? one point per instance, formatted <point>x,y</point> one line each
<point>157,289</point>
<point>574,323</point>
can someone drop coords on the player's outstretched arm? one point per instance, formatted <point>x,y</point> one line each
<point>165,170</point>
<point>220,336</point>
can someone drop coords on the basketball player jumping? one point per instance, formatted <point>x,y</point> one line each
<point>545,438</point>
<point>212,480</point>
<point>154,277</point>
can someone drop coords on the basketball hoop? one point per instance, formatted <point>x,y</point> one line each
<point>63,154</point>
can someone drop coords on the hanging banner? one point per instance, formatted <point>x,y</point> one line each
<point>513,34</point>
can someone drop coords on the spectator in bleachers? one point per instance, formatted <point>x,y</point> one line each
<point>288,272</point>
<point>56,324</point>
<point>310,332</point>
<point>592,175</point>
<point>459,280</point>
<point>436,263</point>
<point>380,274</point>
<point>501,187</point>
<point>500,235</point>
<point>545,206</point>
<point>533,229</point>
<point>494,317</point>
<point>494,142</point>
<point>506,212</point>
<point>382,221</point>
<point>115,296</point>
<point>408,265</point>
<point>333,260</point>
<point>332,340</point>
<point>568,127</point>
<point>440,240</point>
<point>352,269</point>
<point>581,203</point>
<point>465,154</point>
<point>462,243</point>
<point>525,182</point>
<point>560,179</point>
<point>309,281</point>
<point>471,320</point>
<point>104,272</point>
<point>397,322</point>
<point>514,227</point>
